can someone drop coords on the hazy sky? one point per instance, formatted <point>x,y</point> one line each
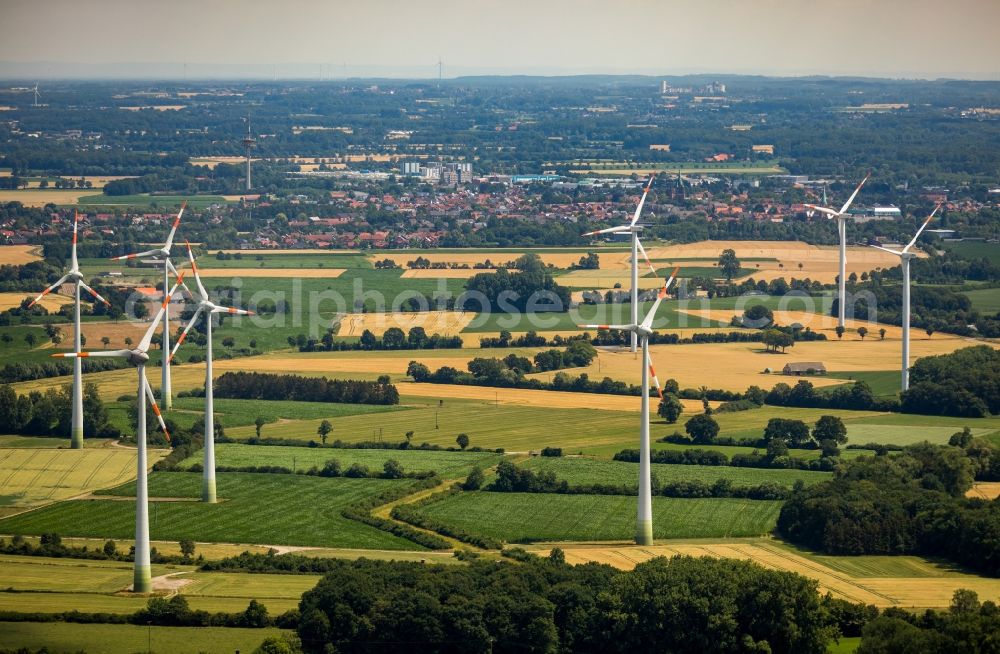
<point>293,38</point>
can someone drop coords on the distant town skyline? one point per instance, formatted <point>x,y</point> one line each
<point>303,39</point>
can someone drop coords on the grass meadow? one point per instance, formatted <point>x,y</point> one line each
<point>253,508</point>
<point>594,471</point>
<point>527,517</point>
<point>126,638</point>
<point>446,464</point>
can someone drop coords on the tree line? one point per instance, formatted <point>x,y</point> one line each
<point>272,386</point>
<point>50,413</point>
<point>909,503</point>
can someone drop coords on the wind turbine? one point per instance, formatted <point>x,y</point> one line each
<point>248,144</point>
<point>841,217</point>
<point>905,256</point>
<point>36,94</point>
<point>141,575</point>
<point>74,275</point>
<point>204,304</point>
<point>644,517</point>
<point>633,228</point>
<point>165,391</point>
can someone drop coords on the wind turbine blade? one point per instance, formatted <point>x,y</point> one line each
<point>233,310</point>
<point>847,204</point>
<point>93,292</point>
<point>152,402</point>
<point>137,255</point>
<point>922,227</point>
<point>197,277</point>
<point>652,373</point>
<point>173,270</point>
<point>187,328</point>
<point>74,265</point>
<point>62,280</point>
<point>173,229</point>
<point>610,230</point>
<point>642,201</point>
<point>829,212</point>
<point>627,328</point>
<point>84,355</point>
<point>647,322</point>
<point>148,337</point>
<point>646,257</point>
<point>879,247</point>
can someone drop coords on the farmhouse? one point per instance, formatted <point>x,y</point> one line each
<point>804,368</point>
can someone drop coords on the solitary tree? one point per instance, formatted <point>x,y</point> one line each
<point>187,548</point>
<point>128,341</point>
<point>228,342</point>
<point>840,331</point>
<point>105,341</point>
<point>670,408</point>
<point>324,430</point>
<point>729,264</point>
<point>881,333</point>
<point>259,424</point>
<point>862,332</point>
<point>30,339</point>
<point>462,440</point>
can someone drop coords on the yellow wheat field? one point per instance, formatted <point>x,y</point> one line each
<point>446,323</point>
<point>35,476</point>
<point>93,332</point>
<point>19,255</point>
<point>824,323</point>
<point>987,490</point>
<point>291,273</point>
<point>606,279</point>
<point>910,592</point>
<point>792,258</point>
<point>50,303</point>
<point>735,366</point>
<point>42,197</point>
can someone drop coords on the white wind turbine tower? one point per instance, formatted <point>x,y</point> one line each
<point>166,395</point>
<point>644,516</point>
<point>209,308</point>
<point>36,94</point>
<point>841,217</point>
<point>141,575</point>
<point>76,277</point>
<point>905,256</point>
<point>633,228</point>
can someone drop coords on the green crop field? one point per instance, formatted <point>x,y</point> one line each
<point>594,471</point>
<point>125,638</point>
<point>165,202</point>
<point>712,272</point>
<point>284,260</point>
<point>526,517</point>
<point>36,573</point>
<point>883,382</point>
<point>986,300</point>
<point>976,250</point>
<point>446,464</point>
<point>845,646</point>
<point>253,508</point>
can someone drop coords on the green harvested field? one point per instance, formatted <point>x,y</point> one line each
<point>986,300</point>
<point>593,471</point>
<point>285,260</point>
<point>253,508</point>
<point>446,464</point>
<point>126,639</point>
<point>71,575</point>
<point>527,517</point>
